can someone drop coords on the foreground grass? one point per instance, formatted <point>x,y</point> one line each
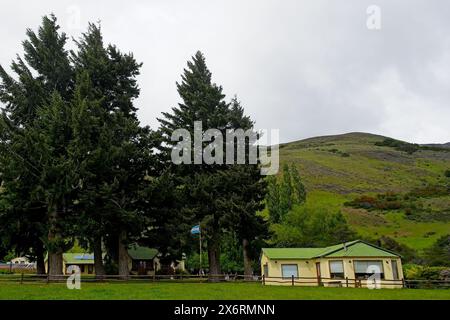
<point>205,291</point>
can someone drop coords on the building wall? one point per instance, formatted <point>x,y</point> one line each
<point>66,265</point>
<point>307,269</point>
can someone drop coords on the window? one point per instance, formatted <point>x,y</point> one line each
<point>289,270</point>
<point>394,269</point>
<point>266,270</point>
<point>364,269</point>
<point>337,269</point>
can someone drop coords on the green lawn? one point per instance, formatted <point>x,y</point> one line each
<point>204,291</point>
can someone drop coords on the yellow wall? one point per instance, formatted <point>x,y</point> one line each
<point>307,269</point>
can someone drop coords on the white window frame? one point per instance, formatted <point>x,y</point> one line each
<point>290,275</point>
<point>331,271</point>
<point>366,275</point>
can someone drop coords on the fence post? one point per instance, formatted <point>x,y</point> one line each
<point>292,277</point>
<point>403,283</point>
<point>346,282</point>
<point>263,279</point>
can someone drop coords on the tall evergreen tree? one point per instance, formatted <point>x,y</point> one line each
<point>75,162</point>
<point>211,190</point>
<point>202,101</point>
<point>248,190</point>
<point>43,75</point>
<point>115,155</point>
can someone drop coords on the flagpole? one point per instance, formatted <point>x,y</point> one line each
<point>200,234</point>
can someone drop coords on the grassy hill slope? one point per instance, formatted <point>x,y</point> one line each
<point>337,169</point>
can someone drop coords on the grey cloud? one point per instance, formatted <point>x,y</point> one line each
<point>306,67</point>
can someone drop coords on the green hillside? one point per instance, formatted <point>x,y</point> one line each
<point>339,169</point>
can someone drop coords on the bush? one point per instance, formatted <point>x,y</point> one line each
<point>5,271</point>
<point>430,191</point>
<point>398,145</point>
<point>387,201</point>
<point>439,253</point>
<point>418,272</point>
<point>408,254</point>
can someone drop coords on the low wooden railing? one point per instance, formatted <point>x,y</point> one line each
<point>293,281</point>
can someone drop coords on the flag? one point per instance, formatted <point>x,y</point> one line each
<point>195,229</point>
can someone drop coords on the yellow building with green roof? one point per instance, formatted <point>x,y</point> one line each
<point>351,264</point>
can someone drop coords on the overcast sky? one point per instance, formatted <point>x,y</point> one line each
<point>308,68</point>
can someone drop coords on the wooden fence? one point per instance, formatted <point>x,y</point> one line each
<point>291,281</point>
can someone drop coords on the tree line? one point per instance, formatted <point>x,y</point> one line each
<point>76,165</point>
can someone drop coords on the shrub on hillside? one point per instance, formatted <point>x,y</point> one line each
<point>408,254</point>
<point>387,201</point>
<point>398,145</point>
<point>439,253</point>
<point>430,191</point>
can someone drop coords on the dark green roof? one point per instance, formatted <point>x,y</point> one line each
<point>357,248</point>
<point>142,253</point>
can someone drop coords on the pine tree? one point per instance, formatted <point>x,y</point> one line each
<point>115,158</point>
<point>247,198</point>
<point>42,75</point>
<point>213,192</point>
<point>73,148</point>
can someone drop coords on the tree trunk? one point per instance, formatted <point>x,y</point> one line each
<point>248,270</point>
<point>214,259</point>
<point>40,262</point>
<point>123,256</point>
<point>55,253</point>
<point>98,257</point>
<point>55,265</point>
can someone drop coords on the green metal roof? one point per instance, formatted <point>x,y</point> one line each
<point>362,249</point>
<point>357,248</point>
<point>142,253</point>
<point>78,258</point>
<point>292,253</point>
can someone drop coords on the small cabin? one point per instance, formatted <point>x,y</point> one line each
<point>351,264</point>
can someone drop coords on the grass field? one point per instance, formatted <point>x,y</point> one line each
<point>205,291</point>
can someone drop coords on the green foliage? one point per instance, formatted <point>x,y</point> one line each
<point>35,169</point>
<point>283,195</point>
<point>416,204</point>
<point>439,253</point>
<point>420,272</point>
<point>5,271</point>
<point>74,157</point>
<point>408,255</point>
<point>388,201</point>
<point>399,145</point>
<point>304,228</point>
<point>447,173</point>
<point>223,198</point>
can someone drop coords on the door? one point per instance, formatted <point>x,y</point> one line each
<point>266,270</point>
<point>319,274</point>
<point>142,268</point>
<point>394,269</point>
